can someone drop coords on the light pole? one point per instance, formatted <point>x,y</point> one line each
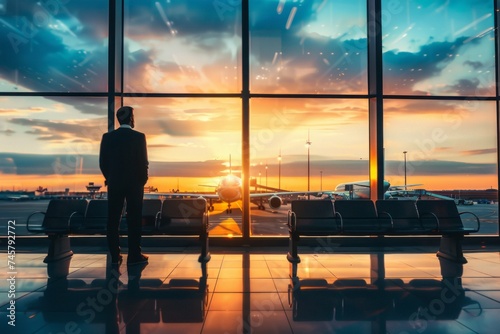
<point>279,171</point>
<point>308,145</point>
<point>266,174</point>
<point>404,152</point>
<point>321,180</point>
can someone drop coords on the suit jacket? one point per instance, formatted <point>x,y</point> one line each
<point>123,157</point>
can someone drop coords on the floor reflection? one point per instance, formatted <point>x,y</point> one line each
<point>116,305</point>
<point>419,300</point>
<point>259,292</point>
<point>179,300</point>
<point>381,299</point>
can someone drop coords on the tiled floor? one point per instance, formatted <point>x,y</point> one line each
<point>248,292</point>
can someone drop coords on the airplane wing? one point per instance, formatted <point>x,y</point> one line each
<point>179,194</point>
<point>215,196</point>
<point>403,186</point>
<point>285,193</point>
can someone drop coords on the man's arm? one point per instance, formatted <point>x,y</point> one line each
<point>103,158</point>
<point>144,160</point>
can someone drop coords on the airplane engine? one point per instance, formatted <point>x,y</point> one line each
<point>275,202</point>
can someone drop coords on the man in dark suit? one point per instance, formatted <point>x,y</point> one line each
<point>123,160</point>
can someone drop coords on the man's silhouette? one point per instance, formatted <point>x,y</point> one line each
<point>123,160</point>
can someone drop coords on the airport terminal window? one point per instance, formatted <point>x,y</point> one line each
<point>185,70</point>
<point>281,159</point>
<point>438,48</point>
<point>447,145</point>
<point>51,142</point>
<point>314,47</point>
<point>182,47</point>
<point>193,143</point>
<point>53,46</point>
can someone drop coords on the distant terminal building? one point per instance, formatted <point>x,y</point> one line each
<point>93,191</point>
<point>487,195</point>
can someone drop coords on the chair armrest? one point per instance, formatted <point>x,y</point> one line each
<point>291,221</point>
<point>157,220</point>
<point>433,215</point>
<point>341,220</point>
<point>206,222</point>
<point>390,218</point>
<point>73,214</point>
<point>40,230</point>
<point>475,216</point>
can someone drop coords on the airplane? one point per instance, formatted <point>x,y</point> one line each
<point>20,198</point>
<point>23,195</point>
<point>230,189</point>
<point>361,190</point>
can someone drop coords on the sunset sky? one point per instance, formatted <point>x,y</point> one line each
<point>431,48</point>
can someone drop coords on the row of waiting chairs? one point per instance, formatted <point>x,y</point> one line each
<point>176,216</point>
<point>380,218</point>
<point>80,216</point>
<point>365,217</point>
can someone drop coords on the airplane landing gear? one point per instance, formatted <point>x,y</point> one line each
<point>260,206</point>
<point>210,206</point>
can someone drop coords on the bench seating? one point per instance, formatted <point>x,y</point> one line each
<point>65,217</point>
<point>360,217</point>
<point>449,220</point>
<point>95,219</point>
<point>185,217</point>
<point>380,218</point>
<point>59,216</point>
<point>89,217</point>
<point>310,218</point>
<point>150,214</point>
<point>56,224</point>
<point>404,217</point>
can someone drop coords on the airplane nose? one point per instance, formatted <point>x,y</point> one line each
<point>230,194</point>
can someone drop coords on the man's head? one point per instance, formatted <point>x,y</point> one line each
<point>125,115</point>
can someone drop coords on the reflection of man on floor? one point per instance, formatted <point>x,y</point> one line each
<point>123,160</point>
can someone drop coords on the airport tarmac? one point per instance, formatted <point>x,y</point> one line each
<point>263,222</point>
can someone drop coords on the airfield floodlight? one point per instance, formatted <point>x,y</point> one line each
<point>266,174</point>
<point>279,171</point>
<point>321,180</point>
<point>404,152</point>
<point>308,145</point>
